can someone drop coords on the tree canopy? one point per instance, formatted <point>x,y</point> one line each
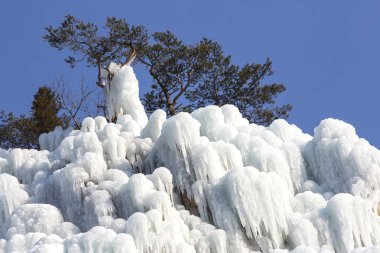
<point>117,41</point>
<point>184,77</point>
<point>24,131</point>
<point>222,82</point>
<point>45,109</point>
<point>17,131</point>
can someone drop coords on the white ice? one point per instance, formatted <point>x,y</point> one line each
<point>202,182</point>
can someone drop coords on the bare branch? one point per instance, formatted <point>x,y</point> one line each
<point>73,104</point>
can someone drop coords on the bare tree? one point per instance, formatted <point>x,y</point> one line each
<point>77,105</point>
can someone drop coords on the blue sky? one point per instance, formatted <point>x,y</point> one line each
<point>326,52</point>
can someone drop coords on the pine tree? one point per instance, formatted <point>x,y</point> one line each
<point>45,109</point>
<point>184,77</point>
<point>225,83</point>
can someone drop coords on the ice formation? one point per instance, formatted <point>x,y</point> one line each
<point>202,182</point>
<point>122,93</point>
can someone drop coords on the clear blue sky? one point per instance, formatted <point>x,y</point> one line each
<point>326,52</point>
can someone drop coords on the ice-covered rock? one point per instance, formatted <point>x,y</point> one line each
<point>50,141</point>
<point>153,129</point>
<point>342,161</point>
<point>36,218</point>
<point>12,195</point>
<point>204,182</point>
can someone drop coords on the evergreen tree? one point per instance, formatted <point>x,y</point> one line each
<point>24,131</point>
<point>175,69</point>
<point>45,109</point>
<point>184,77</point>
<point>225,83</point>
<point>117,41</point>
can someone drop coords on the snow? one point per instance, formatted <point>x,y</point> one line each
<point>202,182</point>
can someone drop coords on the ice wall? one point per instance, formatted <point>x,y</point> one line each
<point>342,161</point>
<point>202,182</point>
